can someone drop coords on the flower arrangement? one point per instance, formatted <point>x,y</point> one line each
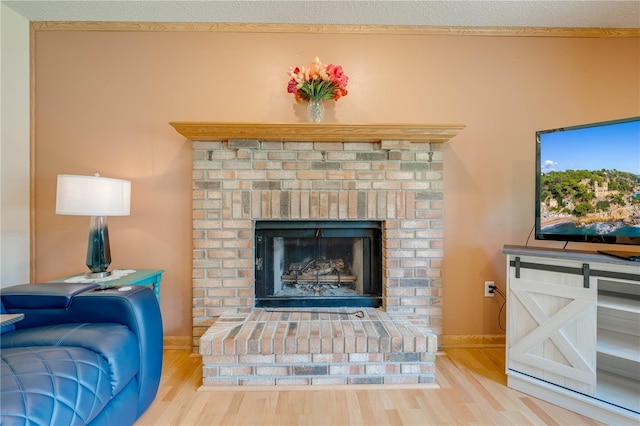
<point>317,81</point>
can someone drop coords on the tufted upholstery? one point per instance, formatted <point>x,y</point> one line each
<point>113,342</point>
<point>53,385</point>
<point>79,357</point>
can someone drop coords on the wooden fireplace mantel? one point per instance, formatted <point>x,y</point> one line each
<point>316,132</point>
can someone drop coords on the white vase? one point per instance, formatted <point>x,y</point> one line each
<point>315,110</point>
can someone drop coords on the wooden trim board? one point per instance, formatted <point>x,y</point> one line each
<point>317,132</point>
<point>472,341</point>
<point>178,342</point>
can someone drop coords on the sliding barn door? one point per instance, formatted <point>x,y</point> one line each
<point>551,332</point>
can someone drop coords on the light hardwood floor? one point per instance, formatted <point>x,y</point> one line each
<point>472,390</point>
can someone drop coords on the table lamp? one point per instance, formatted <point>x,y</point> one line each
<point>97,197</point>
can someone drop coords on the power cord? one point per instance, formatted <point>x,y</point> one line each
<point>492,289</point>
<point>529,236</point>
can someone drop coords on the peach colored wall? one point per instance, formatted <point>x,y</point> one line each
<point>103,101</point>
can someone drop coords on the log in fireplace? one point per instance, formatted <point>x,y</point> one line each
<point>318,264</point>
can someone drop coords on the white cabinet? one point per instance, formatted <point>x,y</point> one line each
<point>551,328</point>
<point>618,350</point>
<point>573,331</point>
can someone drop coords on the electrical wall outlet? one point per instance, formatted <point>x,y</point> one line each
<point>488,291</point>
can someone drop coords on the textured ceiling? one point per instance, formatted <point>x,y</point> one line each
<point>547,13</point>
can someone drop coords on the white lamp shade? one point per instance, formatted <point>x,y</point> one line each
<point>92,196</point>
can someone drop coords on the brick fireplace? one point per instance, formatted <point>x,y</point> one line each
<point>249,172</point>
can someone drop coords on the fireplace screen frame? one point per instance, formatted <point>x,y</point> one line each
<point>368,232</point>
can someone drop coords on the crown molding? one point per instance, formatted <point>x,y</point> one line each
<point>333,29</point>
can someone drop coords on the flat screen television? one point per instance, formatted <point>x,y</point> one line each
<point>588,183</point>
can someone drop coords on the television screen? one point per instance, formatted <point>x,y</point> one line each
<point>588,183</point>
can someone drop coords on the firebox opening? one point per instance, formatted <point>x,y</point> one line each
<point>318,264</point>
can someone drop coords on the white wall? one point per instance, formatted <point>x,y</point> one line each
<point>14,148</point>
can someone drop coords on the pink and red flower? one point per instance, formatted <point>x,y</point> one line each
<point>317,81</point>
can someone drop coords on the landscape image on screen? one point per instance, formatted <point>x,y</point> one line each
<point>590,181</point>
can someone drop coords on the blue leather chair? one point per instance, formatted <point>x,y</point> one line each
<point>79,356</point>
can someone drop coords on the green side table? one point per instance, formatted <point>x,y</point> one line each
<point>122,277</point>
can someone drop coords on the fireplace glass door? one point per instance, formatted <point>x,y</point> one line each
<point>318,264</point>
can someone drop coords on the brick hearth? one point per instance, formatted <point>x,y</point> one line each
<point>309,348</point>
